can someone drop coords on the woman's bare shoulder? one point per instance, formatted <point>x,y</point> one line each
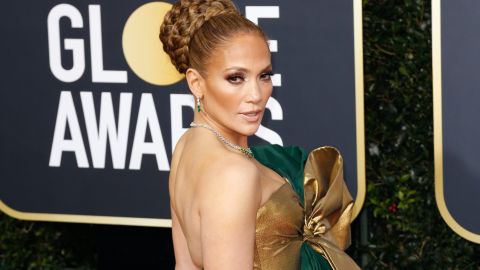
<point>231,176</point>
<point>229,201</point>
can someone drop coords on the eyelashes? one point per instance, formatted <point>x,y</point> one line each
<point>238,78</point>
<point>267,75</point>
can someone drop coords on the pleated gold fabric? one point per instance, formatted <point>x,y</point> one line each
<point>323,222</point>
<point>279,231</point>
<point>328,207</point>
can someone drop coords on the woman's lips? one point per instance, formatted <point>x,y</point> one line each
<point>252,116</point>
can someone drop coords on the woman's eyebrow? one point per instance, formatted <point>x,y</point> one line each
<point>269,67</point>
<point>242,69</point>
<point>237,69</point>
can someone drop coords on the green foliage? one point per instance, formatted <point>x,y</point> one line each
<point>404,225</point>
<point>38,245</point>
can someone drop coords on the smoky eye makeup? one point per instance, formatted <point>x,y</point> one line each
<point>267,73</point>
<point>235,78</point>
<point>239,76</point>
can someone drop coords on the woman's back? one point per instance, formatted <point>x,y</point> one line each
<point>203,172</point>
<point>183,208</point>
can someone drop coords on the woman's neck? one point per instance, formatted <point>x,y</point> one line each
<point>229,134</point>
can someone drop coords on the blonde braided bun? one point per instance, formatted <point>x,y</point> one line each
<point>192,29</point>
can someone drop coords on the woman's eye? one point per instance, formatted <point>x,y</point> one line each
<point>235,79</point>
<point>266,76</point>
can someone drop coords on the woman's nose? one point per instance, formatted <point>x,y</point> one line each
<point>255,92</point>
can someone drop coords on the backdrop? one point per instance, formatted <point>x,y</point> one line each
<point>92,108</point>
<point>456,61</point>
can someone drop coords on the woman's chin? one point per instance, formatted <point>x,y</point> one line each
<point>249,130</point>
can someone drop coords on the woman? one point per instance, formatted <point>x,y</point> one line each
<point>234,207</point>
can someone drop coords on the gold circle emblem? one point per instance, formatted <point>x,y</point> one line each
<point>142,47</point>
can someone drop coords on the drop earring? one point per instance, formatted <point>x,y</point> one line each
<point>198,105</point>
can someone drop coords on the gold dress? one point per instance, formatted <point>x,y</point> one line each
<point>305,224</point>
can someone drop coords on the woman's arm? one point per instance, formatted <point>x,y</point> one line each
<point>229,201</point>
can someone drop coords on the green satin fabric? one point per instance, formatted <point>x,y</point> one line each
<point>312,260</point>
<point>289,162</point>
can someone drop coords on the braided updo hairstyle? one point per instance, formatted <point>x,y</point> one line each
<point>192,29</point>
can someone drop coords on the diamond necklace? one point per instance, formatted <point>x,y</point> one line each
<point>247,151</point>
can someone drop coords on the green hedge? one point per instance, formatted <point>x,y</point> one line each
<point>405,230</point>
<point>41,245</point>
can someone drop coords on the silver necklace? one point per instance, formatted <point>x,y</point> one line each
<point>247,151</point>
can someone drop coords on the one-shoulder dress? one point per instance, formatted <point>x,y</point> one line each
<point>305,224</point>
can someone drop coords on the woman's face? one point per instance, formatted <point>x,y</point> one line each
<point>237,84</point>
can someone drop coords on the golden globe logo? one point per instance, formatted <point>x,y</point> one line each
<point>142,48</point>
<point>143,52</point>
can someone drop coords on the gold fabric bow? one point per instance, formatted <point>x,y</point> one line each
<point>328,207</point>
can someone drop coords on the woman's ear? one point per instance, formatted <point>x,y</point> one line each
<point>195,82</point>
